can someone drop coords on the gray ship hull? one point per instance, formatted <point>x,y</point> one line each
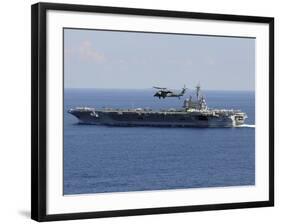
<point>195,118</point>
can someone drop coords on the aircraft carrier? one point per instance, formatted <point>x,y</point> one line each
<point>193,113</point>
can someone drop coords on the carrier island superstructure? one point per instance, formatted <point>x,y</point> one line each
<point>193,113</point>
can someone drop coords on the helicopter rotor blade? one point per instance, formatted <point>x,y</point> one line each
<point>156,87</point>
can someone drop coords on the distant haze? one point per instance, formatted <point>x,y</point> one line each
<point>135,60</point>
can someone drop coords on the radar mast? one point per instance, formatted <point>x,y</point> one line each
<point>198,91</point>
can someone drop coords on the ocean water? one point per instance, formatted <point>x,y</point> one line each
<point>99,159</point>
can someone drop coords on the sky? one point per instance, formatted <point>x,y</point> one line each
<point>137,60</point>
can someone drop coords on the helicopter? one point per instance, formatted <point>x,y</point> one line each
<point>165,92</point>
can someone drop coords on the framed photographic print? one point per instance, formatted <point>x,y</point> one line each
<point>140,111</point>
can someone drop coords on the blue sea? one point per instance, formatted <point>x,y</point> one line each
<point>99,159</point>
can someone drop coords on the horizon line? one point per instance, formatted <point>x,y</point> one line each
<point>246,90</point>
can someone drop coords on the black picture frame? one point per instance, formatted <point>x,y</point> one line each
<point>39,122</point>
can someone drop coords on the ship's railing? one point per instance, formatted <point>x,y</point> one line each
<point>82,109</point>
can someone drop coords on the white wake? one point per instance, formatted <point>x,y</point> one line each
<point>246,126</point>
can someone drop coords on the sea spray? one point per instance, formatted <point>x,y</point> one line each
<point>246,126</point>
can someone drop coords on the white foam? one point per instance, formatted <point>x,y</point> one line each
<point>246,126</point>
